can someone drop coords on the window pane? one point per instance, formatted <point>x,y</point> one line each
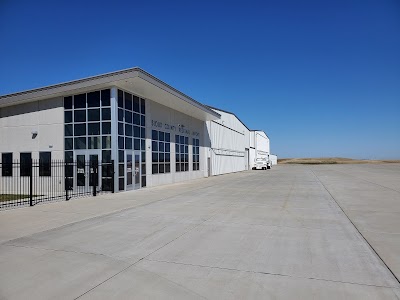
<point>106,155</point>
<point>80,116</point>
<point>154,169</point>
<point>136,131</point>
<point>106,142</point>
<point>69,156</point>
<point>143,169</point>
<point>167,168</point>
<point>154,146</point>
<point>105,97</point>
<point>44,163</point>
<point>25,164</point>
<point>94,129</point>
<point>154,135</point>
<point>142,132</point>
<point>128,129</point>
<point>161,136</point>
<point>120,142</point>
<point>68,116</point>
<point>161,168</point>
<point>161,146</point>
<point>176,139</point>
<point>136,104</point>
<point>142,106</point>
<point>106,114</point>
<point>93,114</point>
<point>80,129</point>
<point>167,157</point>
<point>128,143</point>
<point>121,156</point>
<point>136,119</point>
<point>143,144</point>
<point>143,120</point>
<point>80,101</point>
<point>120,115</point>
<point>167,147</point>
<point>121,128</point>
<point>68,144</point>
<point>80,143</point>
<point>154,157</point>
<point>93,99</point>
<point>167,137</point>
<point>106,128</point>
<point>137,144</point>
<point>93,142</point>
<point>121,184</point>
<point>182,139</point>
<point>68,130</point>
<point>7,166</point>
<point>128,117</point>
<point>143,157</point>
<point>120,99</point>
<point>128,101</point>
<point>68,102</point>
<point>161,157</point>
<point>178,167</point>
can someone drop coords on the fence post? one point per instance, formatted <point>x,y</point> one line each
<point>94,174</point>
<point>31,184</point>
<point>66,181</point>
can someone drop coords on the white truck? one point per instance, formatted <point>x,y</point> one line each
<point>262,163</point>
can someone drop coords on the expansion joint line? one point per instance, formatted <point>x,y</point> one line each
<point>348,218</point>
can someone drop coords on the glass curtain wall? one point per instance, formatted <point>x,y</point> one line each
<point>131,132</point>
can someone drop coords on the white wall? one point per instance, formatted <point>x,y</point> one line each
<point>17,123</point>
<point>162,118</point>
<point>229,139</point>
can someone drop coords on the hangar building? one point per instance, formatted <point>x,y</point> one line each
<point>154,133</point>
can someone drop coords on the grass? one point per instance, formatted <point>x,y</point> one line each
<point>10,197</point>
<point>331,160</point>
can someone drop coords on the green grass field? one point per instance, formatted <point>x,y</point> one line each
<point>9,197</point>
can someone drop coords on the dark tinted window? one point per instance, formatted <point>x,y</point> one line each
<point>80,129</point>
<point>120,99</point>
<point>105,97</point>
<point>68,116</point>
<point>106,128</point>
<point>80,101</point>
<point>80,116</point>
<point>128,101</point>
<point>6,164</point>
<point>80,143</point>
<point>25,164</point>
<point>44,163</point>
<point>136,104</point>
<point>93,129</point>
<point>142,106</point>
<point>93,99</point>
<point>68,130</point>
<point>94,115</point>
<point>106,114</point>
<point>68,102</point>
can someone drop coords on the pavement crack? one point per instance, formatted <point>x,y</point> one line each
<point>270,273</point>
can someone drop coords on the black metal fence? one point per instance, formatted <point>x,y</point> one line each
<point>31,182</point>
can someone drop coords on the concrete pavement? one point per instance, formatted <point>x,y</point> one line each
<point>289,232</point>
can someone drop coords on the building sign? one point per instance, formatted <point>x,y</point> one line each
<point>180,128</point>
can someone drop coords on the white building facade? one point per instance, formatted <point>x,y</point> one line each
<point>152,133</point>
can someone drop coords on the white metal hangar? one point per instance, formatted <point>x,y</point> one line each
<point>154,133</point>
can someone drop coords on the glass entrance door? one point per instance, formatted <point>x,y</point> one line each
<point>132,170</point>
<point>86,162</point>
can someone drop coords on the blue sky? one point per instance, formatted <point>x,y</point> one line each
<point>322,78</point>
